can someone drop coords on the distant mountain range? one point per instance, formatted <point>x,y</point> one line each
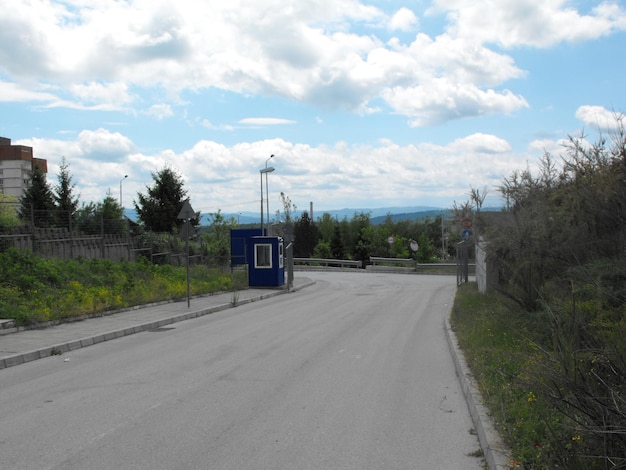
<point>377,216</point>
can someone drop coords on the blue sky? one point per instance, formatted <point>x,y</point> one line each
<point>365,104</point>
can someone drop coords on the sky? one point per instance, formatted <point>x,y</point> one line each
<point>364,104</point>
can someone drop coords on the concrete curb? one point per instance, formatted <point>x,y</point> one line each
<point>497,455</point>
<point>61,348</point>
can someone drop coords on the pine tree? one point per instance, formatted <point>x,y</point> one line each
<point>306,236</point>
<point>37,203</point>
<point>158,209</point>
<point>112,215</point>
<point>65,201</point>
<point>336,244</point>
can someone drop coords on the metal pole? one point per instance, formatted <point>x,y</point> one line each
<point>443,250</point>
<point>267,202</point>
<point>121,202</point>
<point>187,253</point>
<point>261,203</point>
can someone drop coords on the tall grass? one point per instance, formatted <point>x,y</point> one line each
<point>35,289</point>
<point>500,345</point>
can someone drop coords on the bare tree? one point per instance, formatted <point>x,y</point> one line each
<point>478,196</point>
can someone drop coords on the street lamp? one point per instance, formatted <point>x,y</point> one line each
<point>121,203</point>
<point>265,171</point>
<point>267,199</point>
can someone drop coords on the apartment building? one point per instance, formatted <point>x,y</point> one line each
<point>16,164</point>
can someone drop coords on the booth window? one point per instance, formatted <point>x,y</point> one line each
<point>263,256</point>
<point>280,255</point>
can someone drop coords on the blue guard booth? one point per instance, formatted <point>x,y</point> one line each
<point>265,257</point>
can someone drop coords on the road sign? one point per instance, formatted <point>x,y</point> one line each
<point>187,231</point>
<point>414,246</point>
<point>390,240</point>
<point>467,224</point>
<point>186,212</point>
<point>466,235</point>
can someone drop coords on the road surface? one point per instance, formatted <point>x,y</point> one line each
<point>351,373</point>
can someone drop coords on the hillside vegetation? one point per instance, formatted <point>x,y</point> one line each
<point>548,349</point>
<point>35,289</point>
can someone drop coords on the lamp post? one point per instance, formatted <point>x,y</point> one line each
<point>267,199</point>
<point>443,249</point>
<point>265,171</point>
<point>121,203</point>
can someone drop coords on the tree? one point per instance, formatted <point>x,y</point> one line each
<point>322,250</point>
<point>288,208</point>
<point>217,242</point>
<point>478,197</point>
<point>285,229</point>
<point>427,252</point>
<point>104,217</point>
<point>362,249</point>
<point>66,203</point>
<point>306,236</point>
<point>353,236</point>
<point>9,217</point>
<point>86,219</point>
<point>326,225</point>
<point>561,253</point>
<point>158,209</point>
<point>336,244</point>
<point>37,204</point>
<point>112,214</point>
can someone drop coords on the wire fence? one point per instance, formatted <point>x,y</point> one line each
<point>59,234</point>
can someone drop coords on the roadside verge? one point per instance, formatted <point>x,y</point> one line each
<point>497,454</point>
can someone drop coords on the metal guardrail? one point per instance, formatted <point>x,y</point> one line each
<point>390,262</point>
<point>342,263</point>
<point>379,263</point>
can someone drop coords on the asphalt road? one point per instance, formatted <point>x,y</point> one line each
<point>351,373</point>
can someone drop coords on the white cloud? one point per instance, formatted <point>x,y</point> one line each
<point>482,143</point>
<point>218,127</point>
<point>160,111</point>
<point>112,95</point>
<point>12,92</point>
<point>102,144</point>
<point>442,100</point>
<point>538,23</point>
<point>320,52</point>
<point>403,20</point>
<point>224,177</point>
<point>598,117</point>
<point>265,121</point>
<point>329,53</point>
<point>541,146</point>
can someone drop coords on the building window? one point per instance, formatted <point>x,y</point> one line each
<point>263,256</point>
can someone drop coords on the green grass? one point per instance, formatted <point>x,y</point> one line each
<point>35,289</point>
<point>499,343</point>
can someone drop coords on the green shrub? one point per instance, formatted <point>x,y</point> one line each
<point>552,380</point>
<point>504,358</point>
<point>36,289</point>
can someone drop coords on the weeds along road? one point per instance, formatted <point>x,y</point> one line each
<point>351,373</point>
